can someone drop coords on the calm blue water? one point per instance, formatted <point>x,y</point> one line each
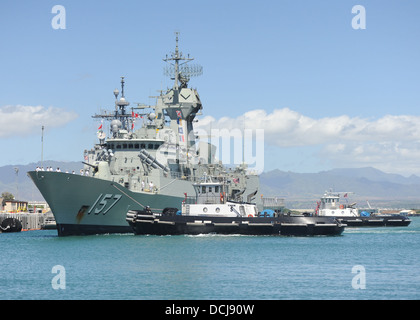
<point>212,266</point>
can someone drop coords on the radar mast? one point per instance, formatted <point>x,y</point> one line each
<point>179,71</point>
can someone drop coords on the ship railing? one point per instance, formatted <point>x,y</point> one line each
<point>179,175</point>
<point>203,199</point>
<point>273,203</point>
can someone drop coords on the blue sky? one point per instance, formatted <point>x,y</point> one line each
<point>326,94</point>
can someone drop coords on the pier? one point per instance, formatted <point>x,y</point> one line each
<point>30,221</point>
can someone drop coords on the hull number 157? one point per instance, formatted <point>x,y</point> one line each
<point>104,203</point>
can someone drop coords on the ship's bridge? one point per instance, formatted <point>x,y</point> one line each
<point>330,201</point>
<point>210,193</point>
<point>134,144</point>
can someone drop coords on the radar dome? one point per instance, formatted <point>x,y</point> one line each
<point>115,125</point>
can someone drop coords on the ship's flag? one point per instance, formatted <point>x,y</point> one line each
<point>100,127</point>
<point>345,195</point>
<point>178,114</point>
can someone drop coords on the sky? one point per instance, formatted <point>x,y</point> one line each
<point>327,93</point>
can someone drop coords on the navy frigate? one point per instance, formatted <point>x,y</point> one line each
<point>154,166</point>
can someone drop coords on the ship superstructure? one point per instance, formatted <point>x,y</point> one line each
<point>330,205</point>
<point>129,169</point>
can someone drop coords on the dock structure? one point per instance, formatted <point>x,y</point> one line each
<point>30,221</point>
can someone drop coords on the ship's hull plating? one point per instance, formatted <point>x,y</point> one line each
<point>375,221</point>
<point>283,225</point>
<point>84,205</point>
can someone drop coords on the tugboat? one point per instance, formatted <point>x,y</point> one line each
<point>210,212</point>
<point>330,206</point>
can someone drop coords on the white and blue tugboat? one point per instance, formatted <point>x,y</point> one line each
<point>330,206</point>
<point>211,212</point>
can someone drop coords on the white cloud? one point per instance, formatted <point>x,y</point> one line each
<point>285,127</point>
<point>21,120</point>
<point>390,143</point>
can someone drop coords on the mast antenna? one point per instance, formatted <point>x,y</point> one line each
<point>179,71</point>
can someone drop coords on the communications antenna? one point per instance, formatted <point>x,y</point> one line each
<point>180,71</point>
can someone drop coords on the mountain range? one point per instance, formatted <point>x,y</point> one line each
<point>362,185</point>
<point>298,189</point>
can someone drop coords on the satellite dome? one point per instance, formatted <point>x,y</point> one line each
<point>115,125</point>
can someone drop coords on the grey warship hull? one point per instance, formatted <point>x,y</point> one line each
<point>85,205</point>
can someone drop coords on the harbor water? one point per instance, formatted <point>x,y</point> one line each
<point>363,263</point>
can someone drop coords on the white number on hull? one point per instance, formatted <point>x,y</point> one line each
<point>102,202</point>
